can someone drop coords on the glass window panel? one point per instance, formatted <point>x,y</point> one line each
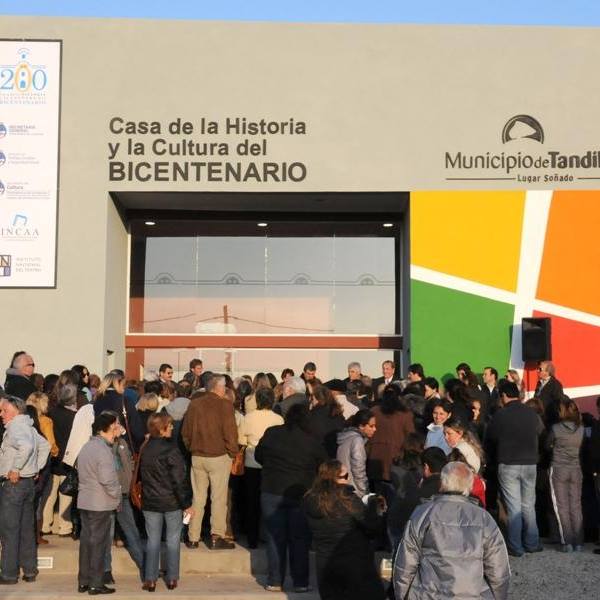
<point>249,284</point>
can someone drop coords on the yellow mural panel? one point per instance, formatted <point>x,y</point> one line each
<point>472,235</point>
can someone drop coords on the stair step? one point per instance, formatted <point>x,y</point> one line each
<point>61,555</point>
<point>191,587</point>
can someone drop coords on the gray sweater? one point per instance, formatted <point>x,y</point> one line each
<point>23,449</point>
<point>565,439</point>
<point>99,487</point>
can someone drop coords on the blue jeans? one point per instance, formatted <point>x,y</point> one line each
<point>19,549</point>
<point>287,531</point>
<point>517,484</point>
<point>126,520</point>
<point>154,527</point>
<point>133,540</point>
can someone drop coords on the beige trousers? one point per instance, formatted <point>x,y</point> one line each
<point>213,471</point>
<point>63,518</point>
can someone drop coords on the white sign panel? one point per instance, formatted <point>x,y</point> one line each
<point>29,136</point>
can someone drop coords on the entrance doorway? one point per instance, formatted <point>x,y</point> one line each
<point>262,290</point>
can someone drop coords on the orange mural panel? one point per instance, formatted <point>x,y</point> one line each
<point>570,272</point>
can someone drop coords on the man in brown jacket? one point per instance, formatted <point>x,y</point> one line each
<point>210,434</point>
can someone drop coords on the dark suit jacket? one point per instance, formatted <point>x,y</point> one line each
<point>19,386</point>
<point>375,383</point>
<point>491,402</point>
<point>551,396</point>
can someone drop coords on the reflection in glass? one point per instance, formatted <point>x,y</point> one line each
<point>269,285</point>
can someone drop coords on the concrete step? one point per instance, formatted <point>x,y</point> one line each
<point>191,587</point>
<point>60,557</point>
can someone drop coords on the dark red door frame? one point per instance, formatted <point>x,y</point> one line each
<point>321,342</point>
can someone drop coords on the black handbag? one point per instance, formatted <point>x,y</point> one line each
<point>70,483</point>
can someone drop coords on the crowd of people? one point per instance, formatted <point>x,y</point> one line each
<point>344,467</point>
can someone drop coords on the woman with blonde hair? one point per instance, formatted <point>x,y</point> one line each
<point>466,448</point>
<point>252,430</point>
<point>147,405</point>
<point>260,381</point>
<point>111,396</point>
<point>459,436</point>
<point>39,401</point>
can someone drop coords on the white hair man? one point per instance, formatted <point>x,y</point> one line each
<point>354,372</point>
<point>550,391</point>
<point>23,454</point>
<point>451,547</point>
<point>294,392</point>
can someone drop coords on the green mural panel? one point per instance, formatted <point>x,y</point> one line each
<point>449,327</point>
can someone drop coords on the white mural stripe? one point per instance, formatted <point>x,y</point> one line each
<point>461,285</point>
<point>567,313</point>
<point>479,289</point>
<point>581,392</point>
<point>533,236</point>
<point>572,392</point>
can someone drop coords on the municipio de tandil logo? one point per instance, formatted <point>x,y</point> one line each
<point>522,126</point>
<point>520,162</point>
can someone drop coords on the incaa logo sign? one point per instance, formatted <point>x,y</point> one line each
<point>19,229</point>
<point>23,76</point>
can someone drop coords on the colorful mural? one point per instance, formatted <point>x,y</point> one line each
<point>481,261</point>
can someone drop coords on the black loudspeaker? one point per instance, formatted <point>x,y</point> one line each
<point>536,339</point>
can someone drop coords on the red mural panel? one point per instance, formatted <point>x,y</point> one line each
<point>575,352</point>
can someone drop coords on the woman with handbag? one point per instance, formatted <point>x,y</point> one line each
<point>125,516</point>
<point>166,499</point>
<point>111,396</point>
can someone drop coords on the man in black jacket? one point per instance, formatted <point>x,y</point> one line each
<point>290,456</point>
<point>490,391</point>
<point>387,369</point>
<point>18,377</point>
<point>550,391</point>
<point>512,437</point>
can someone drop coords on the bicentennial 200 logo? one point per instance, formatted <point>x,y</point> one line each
<point>22,76</point>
